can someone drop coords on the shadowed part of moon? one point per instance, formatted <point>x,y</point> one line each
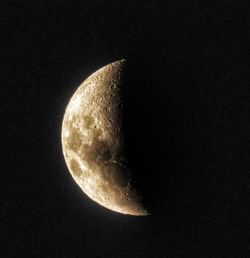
<point>93,141</point>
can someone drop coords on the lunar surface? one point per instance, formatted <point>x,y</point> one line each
<point>92,141</point>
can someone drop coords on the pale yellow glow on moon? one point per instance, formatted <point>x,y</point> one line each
<point>92,142</point>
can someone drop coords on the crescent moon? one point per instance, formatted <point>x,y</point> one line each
<point>92,142</point>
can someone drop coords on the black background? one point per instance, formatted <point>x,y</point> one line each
<point>187,103</point>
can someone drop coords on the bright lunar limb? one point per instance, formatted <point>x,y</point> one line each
<point>92,142</point>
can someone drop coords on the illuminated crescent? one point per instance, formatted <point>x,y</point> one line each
<point>92,142</point>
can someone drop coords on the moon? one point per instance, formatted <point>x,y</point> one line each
<point>93,140</point>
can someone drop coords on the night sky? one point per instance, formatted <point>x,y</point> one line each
<point>187,122</point>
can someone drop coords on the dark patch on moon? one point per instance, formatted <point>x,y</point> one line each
<point>75,168</point>
<point>118,174</point>
<point>89,122</point>
<point>74,138</point>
